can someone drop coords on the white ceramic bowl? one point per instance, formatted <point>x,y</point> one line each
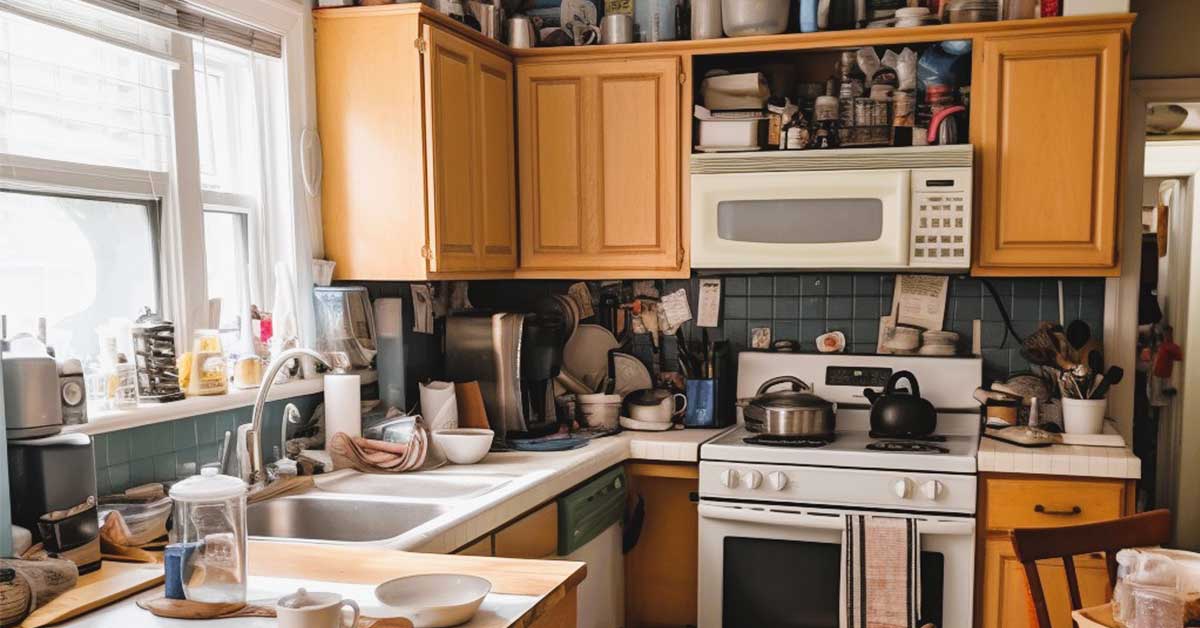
<point>433,600</point>
<point>463,445</point>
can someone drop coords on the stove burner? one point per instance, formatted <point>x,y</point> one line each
<point>928,438</point>
<point>785,441</point>
<point>907,446</point>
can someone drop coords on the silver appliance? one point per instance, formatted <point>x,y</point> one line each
<point>515,358</point>
<point>345,322</point>
<point>773,515</point>
<point>32,397</point>
<point>71,391</point>
<point>854,208</point>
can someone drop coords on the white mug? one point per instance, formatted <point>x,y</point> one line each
<point>304,609</point>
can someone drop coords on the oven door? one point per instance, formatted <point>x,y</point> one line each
<point>780,566</point>
<point>836,219</point>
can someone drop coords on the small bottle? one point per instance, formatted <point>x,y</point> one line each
<point>825,120</point>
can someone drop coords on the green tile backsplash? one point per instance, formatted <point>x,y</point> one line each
<point>172,450</point>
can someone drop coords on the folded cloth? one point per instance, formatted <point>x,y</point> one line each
<point>377,456</point>
<point>881,572</point>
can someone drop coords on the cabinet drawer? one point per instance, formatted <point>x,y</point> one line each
<point>1051,503</point>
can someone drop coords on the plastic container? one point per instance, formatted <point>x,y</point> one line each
<point>729,133</point>
<point>210,528</point>
<point>210,371</point>
<point>1084,416</point>
<point>655,20</point>
<point>725,92</point>
<point>746,18</point>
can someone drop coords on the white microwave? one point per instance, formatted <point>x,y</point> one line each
<point>868,209</point>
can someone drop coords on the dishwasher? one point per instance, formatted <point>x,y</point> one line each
<point>589,531</point>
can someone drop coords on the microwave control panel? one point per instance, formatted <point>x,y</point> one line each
<point>940,231</point>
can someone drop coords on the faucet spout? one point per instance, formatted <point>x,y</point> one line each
<point>256,475</point>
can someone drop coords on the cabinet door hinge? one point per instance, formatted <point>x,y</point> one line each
<point>426,253</point>
<point>420,44</point>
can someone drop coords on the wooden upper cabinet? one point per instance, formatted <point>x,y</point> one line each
<point>1048,116</point>
<point>599,165</point>
<point>416,126</point>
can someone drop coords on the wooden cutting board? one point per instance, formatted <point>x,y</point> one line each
<point>112,582</point>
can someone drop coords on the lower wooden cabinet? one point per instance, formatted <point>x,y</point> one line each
<point>660,571</point>
<point>534,535</point>
<point>1008,502</point>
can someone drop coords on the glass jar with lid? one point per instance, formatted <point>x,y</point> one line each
<point>209,372</point>
<point>210,524</point>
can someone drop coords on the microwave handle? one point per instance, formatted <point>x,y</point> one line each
<point>825,522</point>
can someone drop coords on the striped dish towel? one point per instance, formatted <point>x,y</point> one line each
<point>881,572</point>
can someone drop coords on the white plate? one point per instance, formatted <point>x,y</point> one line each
<point>645,426</point>
<point>586,354</point>
<point>629,374</point>
<point>431,600</point>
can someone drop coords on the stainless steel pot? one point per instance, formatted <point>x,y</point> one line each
<point>795,413</point>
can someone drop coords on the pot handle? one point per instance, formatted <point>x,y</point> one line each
<point>871,394</point>
<point>796,382</point>
<point>905,375</point>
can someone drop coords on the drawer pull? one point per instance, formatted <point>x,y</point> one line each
<point>1075,510</point>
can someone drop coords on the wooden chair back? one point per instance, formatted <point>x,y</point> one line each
<point>1109,537</point>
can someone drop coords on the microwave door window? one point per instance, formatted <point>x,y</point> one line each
<point>797,584</point>
<point>801,220</point>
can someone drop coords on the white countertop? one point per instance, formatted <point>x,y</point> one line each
<point>1071,460</point>
<point>537,478</point>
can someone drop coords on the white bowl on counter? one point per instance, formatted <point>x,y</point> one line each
<point>463,445</point>
<point>431,600</point>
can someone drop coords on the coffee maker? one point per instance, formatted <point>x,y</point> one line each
<point>52,483</point>
<point>515,358</point>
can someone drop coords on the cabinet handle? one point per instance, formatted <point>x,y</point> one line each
<point>1058,513</point>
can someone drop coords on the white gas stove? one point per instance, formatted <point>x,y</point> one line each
<point>772,513</point>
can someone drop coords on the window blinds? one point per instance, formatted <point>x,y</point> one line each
<point>186,17</point>
<point>68,97</point>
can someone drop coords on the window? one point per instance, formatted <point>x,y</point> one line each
<point>115,193</point>
<point>76,261</point>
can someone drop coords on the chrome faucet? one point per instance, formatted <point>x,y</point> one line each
<point>337,361</point>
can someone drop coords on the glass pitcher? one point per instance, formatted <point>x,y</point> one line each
<point>210,524</point>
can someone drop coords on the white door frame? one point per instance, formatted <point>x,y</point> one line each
<point>1121,300</point>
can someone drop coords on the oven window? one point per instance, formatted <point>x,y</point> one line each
<point>801,220</point>
<point>795,584</point>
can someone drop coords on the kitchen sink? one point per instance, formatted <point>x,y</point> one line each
<point>323,516</point>
<point>420,486</point>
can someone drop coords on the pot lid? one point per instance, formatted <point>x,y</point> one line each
<point>208,486</point>
<point>790,400</point>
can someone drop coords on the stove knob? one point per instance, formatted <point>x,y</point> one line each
<point>729,478</point>
<point>753,479</point>
<point>932,490</point>
<point>778,480</point>
<point>902,488</point>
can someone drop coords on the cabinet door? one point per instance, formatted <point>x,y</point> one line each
<point>599,164</point>
<point>534,535</point>
<point>1049,145</point>
<point>497,163</point>
<point>661,570</point>
<point>450,122</point>
<point>1006,600</point>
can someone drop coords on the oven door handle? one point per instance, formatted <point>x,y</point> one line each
<point>824,522</point>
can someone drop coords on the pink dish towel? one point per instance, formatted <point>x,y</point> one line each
<point>881,572</point>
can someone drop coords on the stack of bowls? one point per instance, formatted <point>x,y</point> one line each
<point>940,343</point>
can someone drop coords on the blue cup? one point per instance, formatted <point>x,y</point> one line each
<point>701,403</point>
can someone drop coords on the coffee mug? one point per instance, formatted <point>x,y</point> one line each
<point>305,609</point>
<point>584,34</point>
<point>616,29</point>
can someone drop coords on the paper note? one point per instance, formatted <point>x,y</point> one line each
<point>645,288</point>
<point>708,304</point>
<point>422,308</point>
<point>760,338</point>
<point>583,298</point>
<point>920,300</point>
<point>676,309</point>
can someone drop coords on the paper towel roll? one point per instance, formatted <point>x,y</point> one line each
<point>439,406</point>
<point>343,406</point>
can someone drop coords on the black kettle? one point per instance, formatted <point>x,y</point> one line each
<point>899,414</point>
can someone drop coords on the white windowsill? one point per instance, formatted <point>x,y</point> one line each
<point>151,413</point>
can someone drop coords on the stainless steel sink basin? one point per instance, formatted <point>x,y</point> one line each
<point>415,485</point>
<point>330,517</point>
